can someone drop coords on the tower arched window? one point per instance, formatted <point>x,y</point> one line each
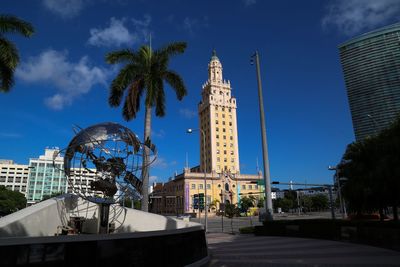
<point>226,187</point>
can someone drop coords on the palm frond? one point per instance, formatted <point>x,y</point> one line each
<point>173,48</point>
<point>145,58</point>
<point>120,83</point>
<point>13,24</point>
<point>6,79</point>
<point>132,100</point>
<point>121,56</point>
<point>176,83</point>
<point>8,54</point>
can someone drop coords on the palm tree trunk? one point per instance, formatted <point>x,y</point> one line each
<point>146,156</point>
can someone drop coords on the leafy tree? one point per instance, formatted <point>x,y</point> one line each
<point>127,202</point>
<point>10,201</point>
<point>143,75</point>
<point>213,204</point>
<point>231,211</point>
<point>9,57</point>
<point>260,203</point>
<point>246,202</point>
<point>320,202</point>
<point>389,165</point>
<point>372,169</point>
<point>307,202</point>
<point>284,203</point>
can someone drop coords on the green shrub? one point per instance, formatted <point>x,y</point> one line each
<point>247,230</point>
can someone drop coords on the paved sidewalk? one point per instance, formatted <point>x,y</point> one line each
<point>250,250</point>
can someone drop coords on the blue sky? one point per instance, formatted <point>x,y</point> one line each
<point>63,79</point>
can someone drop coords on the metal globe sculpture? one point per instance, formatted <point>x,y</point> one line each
<point>103,163</point>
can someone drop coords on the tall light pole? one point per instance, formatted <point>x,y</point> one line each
<point>337,180</point>
<point>267,179</point>
<point>205,174</point>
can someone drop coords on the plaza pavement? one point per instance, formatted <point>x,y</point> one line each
<point>249,250</point>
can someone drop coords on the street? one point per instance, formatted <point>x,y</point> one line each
<point>217,224</point>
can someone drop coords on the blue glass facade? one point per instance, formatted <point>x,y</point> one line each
<point>45,180</point>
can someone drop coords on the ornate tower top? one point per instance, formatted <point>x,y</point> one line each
<point>214,55</point>
<point>214,69</point>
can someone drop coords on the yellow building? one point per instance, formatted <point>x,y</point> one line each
<point>219,161</point>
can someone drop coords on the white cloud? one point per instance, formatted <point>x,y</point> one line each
<point>117,34</point>
<point>64,8</point>
<point>249,2</point>
<point>158,134</point>
<point>193,24</point>
<point>152,179</point>
<point>187,113</point>
<point>70,79</point>
<point>162,163</point>
<point>10,135</point>
<point>353,16</point>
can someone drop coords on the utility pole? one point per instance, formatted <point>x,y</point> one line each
<point>267,182</point>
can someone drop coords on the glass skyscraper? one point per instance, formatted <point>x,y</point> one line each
<point>371,67</point>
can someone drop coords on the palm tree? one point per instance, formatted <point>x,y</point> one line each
<point>143,74</point>
<point>9,57</point>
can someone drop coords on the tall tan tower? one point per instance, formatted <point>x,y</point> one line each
<point>217,113</point>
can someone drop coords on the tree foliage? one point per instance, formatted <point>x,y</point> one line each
<point>231,210</point>
<point>316,202</point>
<point>284,203</point>
<point>144,72</point>
<point>9,57</point>
<point>246,203</point>
<point>319,202</point>
<point>10,201</point>
<point>213,204</point>
<point>127,202</point>
<point>372,171</point>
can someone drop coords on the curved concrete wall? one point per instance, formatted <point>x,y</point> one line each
<point>45,218</point>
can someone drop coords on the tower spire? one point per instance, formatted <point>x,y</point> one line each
<point>215,68</point>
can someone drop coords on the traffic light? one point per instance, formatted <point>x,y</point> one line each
<point>201,201</point>
<point>196,201</point>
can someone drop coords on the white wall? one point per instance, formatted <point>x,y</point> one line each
<point>42,219</point>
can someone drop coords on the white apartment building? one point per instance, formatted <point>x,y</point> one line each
<point>14,176</point>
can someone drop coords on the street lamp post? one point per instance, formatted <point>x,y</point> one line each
<point>267,182</point>
<point>341,201</point>
<point>205,174</point>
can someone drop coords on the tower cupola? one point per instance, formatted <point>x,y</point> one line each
<point>215,69</point>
